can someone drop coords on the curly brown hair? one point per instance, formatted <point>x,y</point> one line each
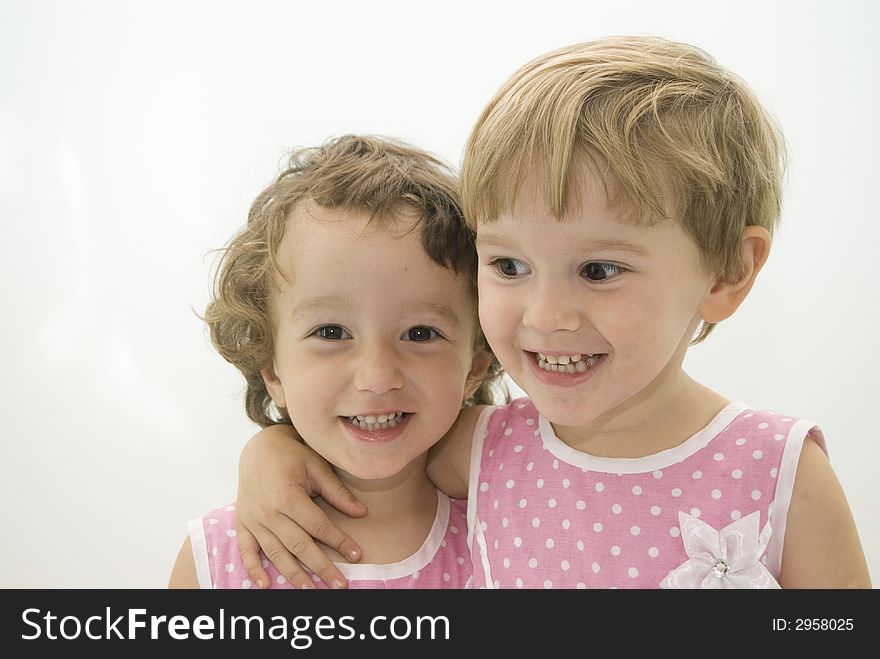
<point>377,175</point>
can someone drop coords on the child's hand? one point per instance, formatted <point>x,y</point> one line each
<point>278,476</point>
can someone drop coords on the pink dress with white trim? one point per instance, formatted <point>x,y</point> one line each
<point>441,562</point>
<point>708,513</point>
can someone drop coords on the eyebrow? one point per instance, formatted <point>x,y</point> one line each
<point>610,244</point>
<point>343,303</point>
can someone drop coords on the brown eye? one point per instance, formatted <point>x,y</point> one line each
<point>420,334</point>
<point>599,271</point>
<point>332,333</point>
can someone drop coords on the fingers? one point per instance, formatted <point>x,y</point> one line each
<point>286,563</point>
<point>249,550</point>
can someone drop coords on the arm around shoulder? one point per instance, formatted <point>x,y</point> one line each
<point>449,459</point>
<point>183,575</point>
<point>822,547</point>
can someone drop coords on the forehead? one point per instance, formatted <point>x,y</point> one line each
<point>348,254</point>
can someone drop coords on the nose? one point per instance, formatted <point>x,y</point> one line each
<point>550,308</point>
<point>378,369</point>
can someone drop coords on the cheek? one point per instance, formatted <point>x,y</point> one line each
<point>498,317</point>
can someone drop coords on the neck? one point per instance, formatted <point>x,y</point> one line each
<point>401,513</point>
<point>661,416</point>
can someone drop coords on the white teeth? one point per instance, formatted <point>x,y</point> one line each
<point>376,422</point>
<point>576,363</point>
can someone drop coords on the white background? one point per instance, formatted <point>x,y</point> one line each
<point>133,136</point>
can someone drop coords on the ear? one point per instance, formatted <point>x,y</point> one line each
<point>480,364</point>
<point>725,296</point>
<point>274,385</point>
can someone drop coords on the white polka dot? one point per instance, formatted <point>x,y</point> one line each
<point>758,455</point>
<point>510,484</point>
<point>491,453</point>
<point>741,441</point>
<point>655,510</point>
<point>500,466</point>
<point>530,466</point>
<point>696,512</point>
<point>460,560</point>
<point>716,494</point>
<point>548,584</point>
<point>453,529</point>
<point>718,457</point>
<point>580,505</point>
<point>540,483</point>
<point>556,464</point>
<point>580,545</point>
<point>280,579</point>
<point>756,494</point>
<point>736,473</point>
<point>506,562</point>
<point>633,572</point>
<point>484,487</point>
<point>600,487</point>
<point>674,532</point>
<point>596,568</point>
<point>246,584</point>
<point>537,432</point>
<point>508,432</point>
<point>786,420</point>
<point>637,490</point>
<point>264,562</point>
<point>735,514</point>
<point>653,552</point>
<point>676,492</point>
<point>214,553</point>
<point>230,567</point>
<point>519,582</point>
<point>551,503</point>
<point>484,525</point>
<point>615,551</point>
<point>658,474</point>
<point>749,415</point>
<point>778,437</point>
<point>597,527</point>
<point>446,576</point>
<point>774,472</point>
<point>519,406</point>
<point>213,520</point>
<point>231,533</point>
<point>763,425</point>
<point>565,565</point>
<point>549,543</point>
<point>518,448</point>
<point>566,524</point>
<point>565,483</point>
<point>523,503</point>
<point>530,422</point>
<point>697,475</point>
<point>495,544</point>
<point>495,504</point>
<point>517,542</point>
<point>536,522</point>
<point>616,508</point>
<point>533,562</point>
<point>635,530</point>
<point>497,584</point>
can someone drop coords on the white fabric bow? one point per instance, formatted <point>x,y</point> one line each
<point>729,558</point>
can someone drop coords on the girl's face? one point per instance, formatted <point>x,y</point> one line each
<point>374,341</point>
<point>592,314</point>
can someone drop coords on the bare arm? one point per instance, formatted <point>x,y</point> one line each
<point>449,459</point>
<point>183,575</point>
<point>822,547</point>
<point>278,476</point>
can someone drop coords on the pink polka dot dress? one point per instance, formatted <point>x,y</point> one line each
<point>708,513</point>
<point>442,561</point>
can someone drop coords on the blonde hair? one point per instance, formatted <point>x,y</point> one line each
<point>681,136</point>
<point>365,173</point>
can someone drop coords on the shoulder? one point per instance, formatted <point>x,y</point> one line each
<point>822,547</point>
<point>183,575</point>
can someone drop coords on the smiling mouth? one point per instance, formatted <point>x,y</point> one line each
<point>572,364</point>
<point>372,423</point>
